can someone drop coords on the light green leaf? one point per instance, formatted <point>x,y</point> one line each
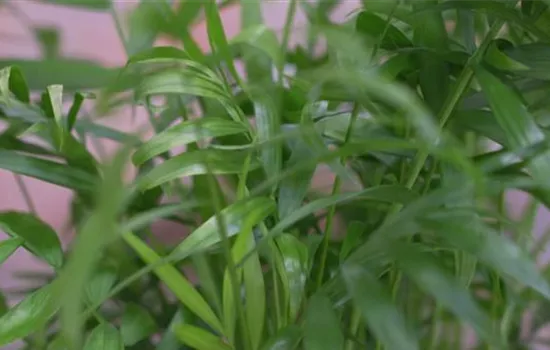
<point>8,247</point>
<point>29,316</point>
<point>12,80</point>
<point>47,170</point>
<point>194,163</point>
<point>263,39</point>
<point>176,282</point>
<point>245,213</point>
<point>185,133</point>
<point>104,336</point>
<point>381,315</point>
<point>295,260</point>
<point>136,325</point>
<point>100,284</point>
<point>38,237</point>
<point>200,339</point>
<point>322,326</point>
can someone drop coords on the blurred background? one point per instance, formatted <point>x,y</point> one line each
<point>34,30</point>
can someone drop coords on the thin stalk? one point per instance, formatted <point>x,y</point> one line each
<point>460,87</point>
<point>25,193</point>
<point>335,189</point>
<point>353,327</point>
<point>291,13</point>
<point>222,230</point>
<point>434,330</point>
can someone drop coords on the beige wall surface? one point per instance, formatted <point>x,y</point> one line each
<point>92,35</point>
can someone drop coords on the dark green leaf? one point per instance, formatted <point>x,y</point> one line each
<point>73,112</point>
<point>392,194</point>
<point>381,315</point>
<point>286,339</point>
<point>39,238</point>
<point>373,26</point>
<point>29,316</point>
<point>352,239</point>
<point>466,232</point>
<point>87,4</point>
<point>104,336</point>
<point>518,124</point>
<point>429,276</point>
<point>8,247</point>
<point>136,325</point>
<point>73,74</point>
<point>46,170</point>
<point>322,326</point>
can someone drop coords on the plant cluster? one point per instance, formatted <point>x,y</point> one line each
<point>427,113</point>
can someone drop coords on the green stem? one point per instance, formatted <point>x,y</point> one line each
<point>353,327</point>
<point>222,230</point>
<point>461,86</point>
<point>25,193</point>
<point>291,12</point>
<point>335,189</point>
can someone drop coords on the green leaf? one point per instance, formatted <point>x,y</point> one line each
<point>322,326</point>
<point>261,38</point>
<point>136,325</point>
<point>12,80</point>
<point>386,193</point>
<point>374,302</point>
<point>245,213</point>
<point>430,32</point>
<point>293,189</point>
<point>100,284</point>
<point>8,247</point>
<point>47,170</point>
<point>448,291</point>
<point>39,238</point>
<point>195,163</point>
<point>518,124</point>
<point>73,112</point>
<point>198,338</point>
<point>286,339</point>
<point>52,104</point>
<point>175,281</point>
<point>73,74</point>
<point>464,231</point>
<point>29,316</point>
<point>352,239</point>
<point>104,336</point>
<point>294,255</point>
<point>87,4</point>
<point>217,38</point>
<point>373,27</point>
<point>98,233</point>
<point>185,133</point>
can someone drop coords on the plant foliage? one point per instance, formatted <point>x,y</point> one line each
<point>426,113</point>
